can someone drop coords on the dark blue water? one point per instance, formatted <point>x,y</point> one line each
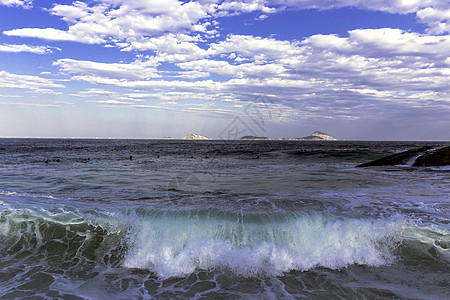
<point>124,219</point>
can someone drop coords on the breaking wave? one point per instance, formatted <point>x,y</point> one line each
<point>175,243</point>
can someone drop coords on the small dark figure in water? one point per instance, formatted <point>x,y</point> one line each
<point>131,157</point>
<point>85,161</point>
<point>47,161</point>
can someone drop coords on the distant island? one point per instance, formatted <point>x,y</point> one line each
<point>252,137</point>
<point>315,136</point>
<point>196,136</point>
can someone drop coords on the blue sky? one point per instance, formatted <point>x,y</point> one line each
<point>283,68</point>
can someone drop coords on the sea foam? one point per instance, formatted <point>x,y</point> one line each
<point>176,245</point>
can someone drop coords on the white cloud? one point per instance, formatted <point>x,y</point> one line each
<point>192,74</point>
<point>398,65</point>
<point>34,83</point>
<point>148,25</point>
<point>118,21</point>
<point>240,71</point>
<point>234,7</point>
<point>71,13</point>
<point>135,70</point>
<point>438,20</point>
<point>93,92</point>
<point>384,42</point>
<point>169,47</point>
<point>22,3</point>
<point>26,48</point>
<point>323,72</point>
<point>152,85</point>
<point>255,48</point>
<point>53,34</point>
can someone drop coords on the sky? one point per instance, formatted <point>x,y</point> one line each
<point>355,69</point>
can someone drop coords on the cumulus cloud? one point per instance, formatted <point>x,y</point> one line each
<point>384,42</point>
<point>324,75</point>
<point>438,20</point>
<point>327,75</point>
<point>22,3</point>
<point>121,20</point>
<point>148,25</point>
<point>169,47</point>
<point>255,48</point>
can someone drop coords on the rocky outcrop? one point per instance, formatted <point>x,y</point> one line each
<point>439,157</point>
<point>424,157</point>
<point>196,136</point>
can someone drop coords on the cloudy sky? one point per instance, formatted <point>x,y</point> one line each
<point>355,69</point>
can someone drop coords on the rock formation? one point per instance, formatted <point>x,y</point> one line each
<point>439,157</point>
<point>424,157</point>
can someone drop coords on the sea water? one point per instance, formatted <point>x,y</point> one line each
<point>143,219</point>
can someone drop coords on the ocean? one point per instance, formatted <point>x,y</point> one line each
<point>177,219</point>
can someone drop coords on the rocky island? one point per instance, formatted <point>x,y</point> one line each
<point>252,137</point>
<point>196,136</point>
<point>315,136</point>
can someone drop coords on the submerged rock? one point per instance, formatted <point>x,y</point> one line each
<point>401,158</point>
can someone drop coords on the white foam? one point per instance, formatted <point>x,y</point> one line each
<point>177,245</point>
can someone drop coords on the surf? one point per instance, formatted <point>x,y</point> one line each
<point>173,243</point>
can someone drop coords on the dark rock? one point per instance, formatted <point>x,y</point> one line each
<point>397,159</point>
<point>439,157</point>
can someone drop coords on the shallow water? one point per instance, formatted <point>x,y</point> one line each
<point>212,219</point>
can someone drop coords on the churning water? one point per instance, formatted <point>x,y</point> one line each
<point>81,219</point>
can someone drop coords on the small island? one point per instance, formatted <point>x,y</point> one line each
<point>196,136</point>
<point>315,136</point>
<point>252,137</point>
